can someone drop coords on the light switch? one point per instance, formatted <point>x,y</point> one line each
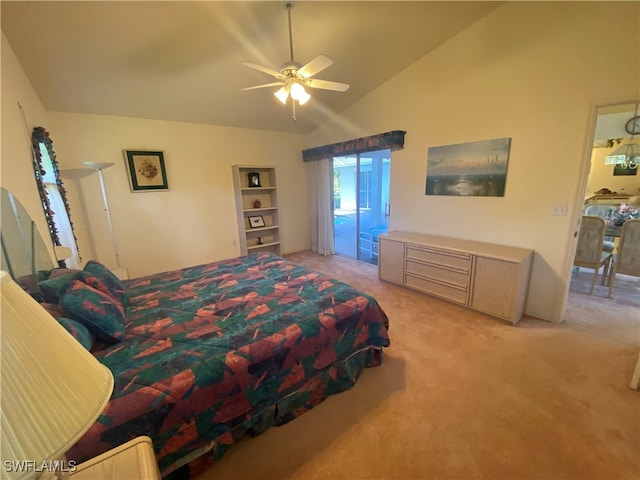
<point>560,209</point>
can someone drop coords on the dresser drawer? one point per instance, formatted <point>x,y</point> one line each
<point>444,274</point>
<point>454,293</point>
<point>461,261</point>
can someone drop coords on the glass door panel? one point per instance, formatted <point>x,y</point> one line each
<point>361,203</point>
<point>345,205</point>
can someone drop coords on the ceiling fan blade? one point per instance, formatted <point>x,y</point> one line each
<point>272,84</point>
<point>315,66</point>
<point>263,69</point>
<point>327,85</point>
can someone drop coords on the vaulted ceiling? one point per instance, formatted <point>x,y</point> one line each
<point>181,61</point>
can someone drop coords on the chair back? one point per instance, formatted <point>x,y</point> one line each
<point>628,257</point>
<point>590,240</point>
<point>603,211</point>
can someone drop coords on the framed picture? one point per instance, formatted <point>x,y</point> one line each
<point>146,170</point>
<point>256,221</point>
<point>469,169</point>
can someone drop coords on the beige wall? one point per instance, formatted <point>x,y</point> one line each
<point>194,222</point>
<point>531,71</point>
<point>16,170</point>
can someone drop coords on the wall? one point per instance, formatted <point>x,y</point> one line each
<point>16,170</point>
<point>531,71</point>
<point>194,222</point>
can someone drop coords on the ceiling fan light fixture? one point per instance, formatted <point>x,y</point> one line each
<point>283,94</point>
<point>299,93</point>
<point>293,77</point>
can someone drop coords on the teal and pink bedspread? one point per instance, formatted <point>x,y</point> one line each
<point>215,351</point>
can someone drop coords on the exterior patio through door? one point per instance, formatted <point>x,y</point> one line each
<point>361,203</point>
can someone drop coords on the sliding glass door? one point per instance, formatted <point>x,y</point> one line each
<point>361,203</point>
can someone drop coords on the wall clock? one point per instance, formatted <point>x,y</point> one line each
<point>254,179</point>
<point>632,126</point>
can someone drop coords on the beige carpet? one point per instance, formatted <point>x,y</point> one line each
<point>461,396</point>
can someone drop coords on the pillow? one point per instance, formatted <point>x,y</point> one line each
<point>54,288</point>
<point>107,277</point>
<point>58,272</point>
<point>99,312</point>
<point>98,284</point>
<point>77,331</point>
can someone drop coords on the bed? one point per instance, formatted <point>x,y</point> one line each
<point>212,352</point>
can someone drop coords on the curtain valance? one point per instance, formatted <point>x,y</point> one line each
<point>383,141</point>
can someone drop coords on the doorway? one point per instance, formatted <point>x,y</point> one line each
<point>606,187</point>
<point>361,203</point>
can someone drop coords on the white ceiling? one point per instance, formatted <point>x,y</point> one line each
<point>181,60</point>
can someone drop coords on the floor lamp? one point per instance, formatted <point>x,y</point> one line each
<point>100,166</point>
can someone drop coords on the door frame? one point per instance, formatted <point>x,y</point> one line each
<point>578,204</point>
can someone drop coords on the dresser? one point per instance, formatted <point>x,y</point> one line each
<point>489,278</point>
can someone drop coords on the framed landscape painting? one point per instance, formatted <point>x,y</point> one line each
<point>146,170</point>
<point>476,169</point>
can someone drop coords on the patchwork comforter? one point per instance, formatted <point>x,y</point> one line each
<point>214,351</point>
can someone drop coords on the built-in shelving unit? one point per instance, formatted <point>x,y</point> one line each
<point>258,226</point>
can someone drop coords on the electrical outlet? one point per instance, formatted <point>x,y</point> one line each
<point>560,209</point>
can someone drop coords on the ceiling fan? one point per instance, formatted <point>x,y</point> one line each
<point>293,77</point>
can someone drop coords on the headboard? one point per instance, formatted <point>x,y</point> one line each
<point>24,253</point>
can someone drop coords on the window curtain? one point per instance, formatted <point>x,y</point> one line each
<point>320,178</point>
<point>393,140</point>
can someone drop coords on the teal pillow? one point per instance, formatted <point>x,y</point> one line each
<point>77,331</point>
<point>56,285</point>
<point>100,313</point>
<point>107,277</point>
<point>53,288</point>
<point>98,284</point>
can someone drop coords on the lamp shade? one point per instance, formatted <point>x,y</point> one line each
<point>98,165</point>
<point>53,389</point>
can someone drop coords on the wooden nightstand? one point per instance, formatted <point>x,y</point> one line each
<point>134,460</point>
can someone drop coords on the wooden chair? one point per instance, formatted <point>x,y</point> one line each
<point>627,259</point>
<point>589,252</point>
<point>603,211</point>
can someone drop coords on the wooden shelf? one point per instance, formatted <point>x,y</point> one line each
<point>262,229</point>
<point>256,247</point>
<point>257,210</point>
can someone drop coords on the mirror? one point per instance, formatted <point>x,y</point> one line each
<point>24,253</point>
